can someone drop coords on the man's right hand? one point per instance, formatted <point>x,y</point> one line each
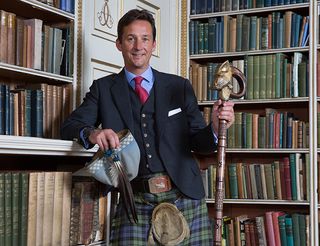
<point>105,138</point>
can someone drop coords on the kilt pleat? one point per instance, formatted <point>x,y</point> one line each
<point>194,211</point>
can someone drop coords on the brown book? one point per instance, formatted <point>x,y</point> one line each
<point>49,180</point>
<point>40,211</point>
<point>45,58</point>
<point>19,41</point>
<point>21,112</point>
<point>233,34</point>
<point>66,209</point>
<point>25,45</point>
<point>34,40</point>
<point>11,38</point>
<point>287,29</point>
<point>32,209</point>
<point>277,178</point>
<point>57,208</point>
<point>75,213</point>
<point>204,83</point>
<point>199,83</point>
<point>49,109</point>
<point>255,128</point>
<point>3,36</point>
<point>195,68</point>
<point>240,180</point>
<point>86,211</point>
<point>55,113</point>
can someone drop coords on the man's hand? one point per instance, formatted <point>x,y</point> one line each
<point>105,138</point>
<point>222,111</point>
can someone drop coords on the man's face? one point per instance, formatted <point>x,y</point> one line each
<point>137,45</point>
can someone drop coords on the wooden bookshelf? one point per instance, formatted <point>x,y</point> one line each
<point>304,106</point>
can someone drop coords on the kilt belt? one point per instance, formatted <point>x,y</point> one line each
<point>153,185</point>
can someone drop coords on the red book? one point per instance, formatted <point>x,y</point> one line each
<point>276,229</point>
<point>270,229</point>
<point>287,177</point>
<point>283,181</point>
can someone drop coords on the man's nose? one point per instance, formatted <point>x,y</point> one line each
<point>138,44</point>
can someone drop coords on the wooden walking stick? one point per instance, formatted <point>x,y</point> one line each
<point>223,83</point>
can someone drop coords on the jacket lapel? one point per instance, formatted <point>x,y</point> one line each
<point>162,100</point>
<point>120,93</point>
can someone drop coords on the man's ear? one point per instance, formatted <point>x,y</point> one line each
<point>118,44</point>
<point>154,45</point>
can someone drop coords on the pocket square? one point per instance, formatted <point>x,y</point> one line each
<point>174,111</point>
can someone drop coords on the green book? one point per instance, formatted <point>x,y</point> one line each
<point>237,129</point>
<point>284,79</point>
<point>256,77</point>
<point>282,229</point>
<point>15,207</point>
<point>201,38</point>
<point>269,76</point>
<point>245,35</point>
<point>248,130</point>
<point>302,79</point>
<point>250,78</point>
<point>262,132</point>
<point>2,201</point>
<point>233,180</point>
<point>274,79</point>
<point>263,76</point>
<point>8,208</point>
<point>239,32</point>
<point>295,228</point>
<point>302,230</point>
<point>231,137</point>
<point>23,211</point>
<point>289,231</point>
<point>292,159</point>
<point>269,181</point>
<point>205,38</point>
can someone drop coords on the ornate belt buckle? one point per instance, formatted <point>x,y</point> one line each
<point>159,184</point>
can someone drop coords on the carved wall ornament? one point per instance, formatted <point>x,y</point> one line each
<point>104,15</point>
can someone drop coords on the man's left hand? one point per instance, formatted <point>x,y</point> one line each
<point>222,110</point>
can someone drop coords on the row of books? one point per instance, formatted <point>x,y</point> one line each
<point>243,33</point>
<point>270,228</point>
<point>268,77</point>
<point>32,44</point>
<point>50,208</point>
<point>35,207</point>
<point>36,110</point>
<point>275,129</point>
<point>283,179</point>
<point>65,5</point>
<point>211,6</point>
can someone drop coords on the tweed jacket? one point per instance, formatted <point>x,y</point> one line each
<point>180,128</point>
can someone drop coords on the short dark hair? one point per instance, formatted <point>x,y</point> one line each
<point>131,16</point>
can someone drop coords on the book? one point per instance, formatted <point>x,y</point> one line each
<point>49,185</point>
<point>8,208</point>
<point>2,209</point>
<point>32,208</point>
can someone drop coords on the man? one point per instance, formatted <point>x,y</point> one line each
<point>167,126</point>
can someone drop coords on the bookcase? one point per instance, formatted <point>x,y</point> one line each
<point>271,176</point>
<point>40,78</point>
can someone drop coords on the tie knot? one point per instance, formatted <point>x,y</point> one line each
<point>138,80</point>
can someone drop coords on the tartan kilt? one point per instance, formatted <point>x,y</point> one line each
<point>194,211</point>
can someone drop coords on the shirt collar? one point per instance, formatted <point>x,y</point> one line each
<point>147,75</point>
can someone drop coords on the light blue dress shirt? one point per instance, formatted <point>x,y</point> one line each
<point>147,82</point>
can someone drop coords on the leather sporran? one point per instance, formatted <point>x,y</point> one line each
<point>169,227</point>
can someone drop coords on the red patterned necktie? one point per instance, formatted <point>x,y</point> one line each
<point>141,92</point>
